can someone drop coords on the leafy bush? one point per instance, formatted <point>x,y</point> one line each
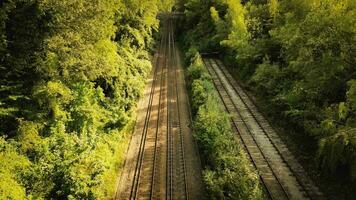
<point>12,166</point>
<point>71,73</point>
<point>339,150</point>
<point>227,172</point>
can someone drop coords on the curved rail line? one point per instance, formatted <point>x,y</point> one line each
<point>308,186</point>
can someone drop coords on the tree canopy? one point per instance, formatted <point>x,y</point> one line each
<point>71,73</point>
<point>298,56</point>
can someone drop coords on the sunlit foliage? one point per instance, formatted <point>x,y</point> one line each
<point>71,73</point>
<point>228,174</point>
<point>299,58</point>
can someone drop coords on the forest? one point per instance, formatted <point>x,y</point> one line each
<point>72,72</point>
<point>70,75</point>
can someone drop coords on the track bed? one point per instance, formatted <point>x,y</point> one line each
<point>162,160</point>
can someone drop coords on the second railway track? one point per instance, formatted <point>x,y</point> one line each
<point>281,174</point>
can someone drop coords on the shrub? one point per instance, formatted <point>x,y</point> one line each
<point>12,165</point>
<point>227,172</point>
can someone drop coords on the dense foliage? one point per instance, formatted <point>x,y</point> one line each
<point>70,74</point>
<point>298,56</point>
<point>228,174</point>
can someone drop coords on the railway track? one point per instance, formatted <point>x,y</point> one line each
<point>157,169</point>
<point>288,158</point>
<point>177,173</point>
<point>145,177</point>
<point>282,176</point>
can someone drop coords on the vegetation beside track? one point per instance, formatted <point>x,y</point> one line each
<point>71,73</point>
<point>228,174</point>
<point>298,58</point>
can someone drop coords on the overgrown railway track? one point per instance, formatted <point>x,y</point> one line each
<point>281,174</point>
